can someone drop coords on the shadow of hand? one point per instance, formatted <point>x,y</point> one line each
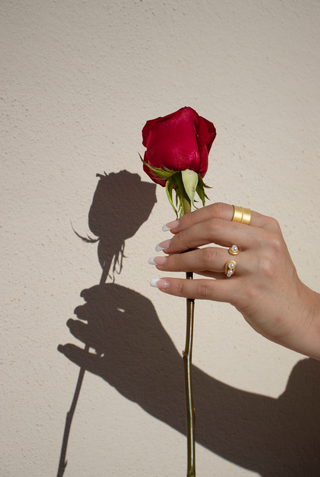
<point>133,352</point>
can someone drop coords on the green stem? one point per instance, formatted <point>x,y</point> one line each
<point>187,361</point>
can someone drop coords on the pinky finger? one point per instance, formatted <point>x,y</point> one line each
<point>216,290</point>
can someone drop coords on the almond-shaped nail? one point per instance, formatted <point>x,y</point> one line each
<point>163,245</point>
<point>170,225</point>
<point>159,283</point>
<point>157,260</point>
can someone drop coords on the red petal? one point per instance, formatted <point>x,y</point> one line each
<point>178,141</point>
<point>206,133</point>
<point>171,141</point>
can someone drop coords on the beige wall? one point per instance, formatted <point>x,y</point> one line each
<point>79,81</point>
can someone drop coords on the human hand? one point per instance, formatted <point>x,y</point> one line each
<point>265,287</point>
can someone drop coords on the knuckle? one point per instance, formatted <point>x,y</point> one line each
<point>270,243</point>
<point>273,254</point>
<point>217,209</point>
<point>213,226</point>
<point>250,293</point>
<point>176,262</point>
<point>180,288</point>
<point>203,290</point>
<point>209,255</point>
<point>181,238</point>
<point>273,224</point>
<point>267,265</point>
<point>253,292</point>
<point>276,245</point>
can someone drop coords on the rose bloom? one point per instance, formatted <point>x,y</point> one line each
<point>179,141</point>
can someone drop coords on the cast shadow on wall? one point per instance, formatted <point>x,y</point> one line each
<point>134,353</point>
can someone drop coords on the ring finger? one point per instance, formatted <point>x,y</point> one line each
<point>209,261</point>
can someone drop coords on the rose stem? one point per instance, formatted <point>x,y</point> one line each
<point>187,361</point>
<point>63,461</point>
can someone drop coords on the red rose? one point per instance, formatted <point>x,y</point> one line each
<point>179,141</point>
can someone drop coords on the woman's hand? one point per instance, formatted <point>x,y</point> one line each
<point>265,287</point>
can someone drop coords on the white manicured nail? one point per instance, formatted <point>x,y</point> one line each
<point>159,283</point>
<point>158,260</point>
<point>163,245</point>
<point>170,225</point>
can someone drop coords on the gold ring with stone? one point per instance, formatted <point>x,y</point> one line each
<point>241,215</point>
<point>230,268</point>
<point>233,250</point>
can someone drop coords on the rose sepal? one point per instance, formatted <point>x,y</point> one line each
<point>190,182</point>
<point>175,183</point>
<point>169,188</point>
<point>201,192</point>
<point>162,174</point>
<point>185,184</point>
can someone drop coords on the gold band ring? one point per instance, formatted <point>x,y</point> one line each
<point>241,215</point>
<point>233,250</point>
<point>230,268</point>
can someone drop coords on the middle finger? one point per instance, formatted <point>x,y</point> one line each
<point>216,231</point>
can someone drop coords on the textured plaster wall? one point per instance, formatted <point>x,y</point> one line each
<point>78,81</point>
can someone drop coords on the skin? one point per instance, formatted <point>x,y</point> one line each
<point>265,288</point>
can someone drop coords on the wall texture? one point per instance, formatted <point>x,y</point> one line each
<point>79,81</point>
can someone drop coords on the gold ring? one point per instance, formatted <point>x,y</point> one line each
<point>246,216</point>
<point>237,214</point>
<point>241,215</point>
<point>233,250</point>
<point>230,268</point>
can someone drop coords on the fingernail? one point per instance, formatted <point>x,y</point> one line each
<point>163,245</point>
<point>159,283</point>
<point>157,260</point>
<point>170,225</point>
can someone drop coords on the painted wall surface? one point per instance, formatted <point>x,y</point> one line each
<point>79,79</point>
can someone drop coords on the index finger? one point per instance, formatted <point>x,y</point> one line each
<point>223,211</point>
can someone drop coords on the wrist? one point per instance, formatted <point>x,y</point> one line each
<point>306,336</point>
